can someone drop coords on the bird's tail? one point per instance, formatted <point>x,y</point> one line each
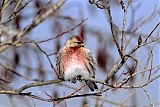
<point>92,85</point>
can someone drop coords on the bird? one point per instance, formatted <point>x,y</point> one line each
<point>74,61</point>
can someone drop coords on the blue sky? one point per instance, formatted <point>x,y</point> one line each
<point>98,21</point>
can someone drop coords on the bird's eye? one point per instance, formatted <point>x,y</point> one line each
<point>79,42</point>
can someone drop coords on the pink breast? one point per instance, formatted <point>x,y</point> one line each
<point>74,57</point>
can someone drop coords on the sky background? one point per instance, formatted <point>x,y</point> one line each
<point>98,21</point>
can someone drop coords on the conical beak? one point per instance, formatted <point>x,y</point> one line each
<point>82,44</point>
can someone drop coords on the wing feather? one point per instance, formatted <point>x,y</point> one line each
<point>60,68</point>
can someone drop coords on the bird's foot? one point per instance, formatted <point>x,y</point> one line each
<point>73,80</point>
<point>79,78</point>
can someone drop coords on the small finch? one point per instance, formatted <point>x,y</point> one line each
<point>75,61</point>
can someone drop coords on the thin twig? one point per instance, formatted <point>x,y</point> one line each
<point>151,66</point>
<point>17,74</point>
<point>55,70</point>
<point>149,98</point>
<point>152,32</point>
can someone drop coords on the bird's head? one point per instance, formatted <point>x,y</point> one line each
<point>75,41</point>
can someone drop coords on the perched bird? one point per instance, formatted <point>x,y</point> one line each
<point>75,61</point>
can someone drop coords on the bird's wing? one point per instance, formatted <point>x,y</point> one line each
<point>58,64</point>
<point>91,65</point>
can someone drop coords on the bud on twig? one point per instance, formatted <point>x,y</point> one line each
<point>139,40</point>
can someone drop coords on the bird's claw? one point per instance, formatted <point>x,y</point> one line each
<point>79,78</point>
<point>73,80</point>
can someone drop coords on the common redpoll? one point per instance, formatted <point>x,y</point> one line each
<point>75,61</point>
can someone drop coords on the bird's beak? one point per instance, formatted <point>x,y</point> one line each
<point>82,44</point>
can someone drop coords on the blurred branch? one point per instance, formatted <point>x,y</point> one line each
<point>151,66</point>
<point>125,58</point>
<point>152,32</point>
<point>117,86</point>
<point>124,21</point>
<point>99,5</point>
<point>16,73</point>
<point>16,11</point>
<point>34,23</point>
<point>62,98</point>
<point>29,94</point>
<point>2,80</point>
<point>36,84</point>
<point>59,35</point>
<point>11,31</point>
<point>99,98</point>
<point>69,95</point>
<point>144,21</point>
<point>29,60</point>
<point>113,34</point>
<point>56,72</point>
<point>149,98</point>
<point>145,70</point>
<point>74,96</point>
<point>39,19</point>
<point>128,97</point>
<point>19,90</point>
